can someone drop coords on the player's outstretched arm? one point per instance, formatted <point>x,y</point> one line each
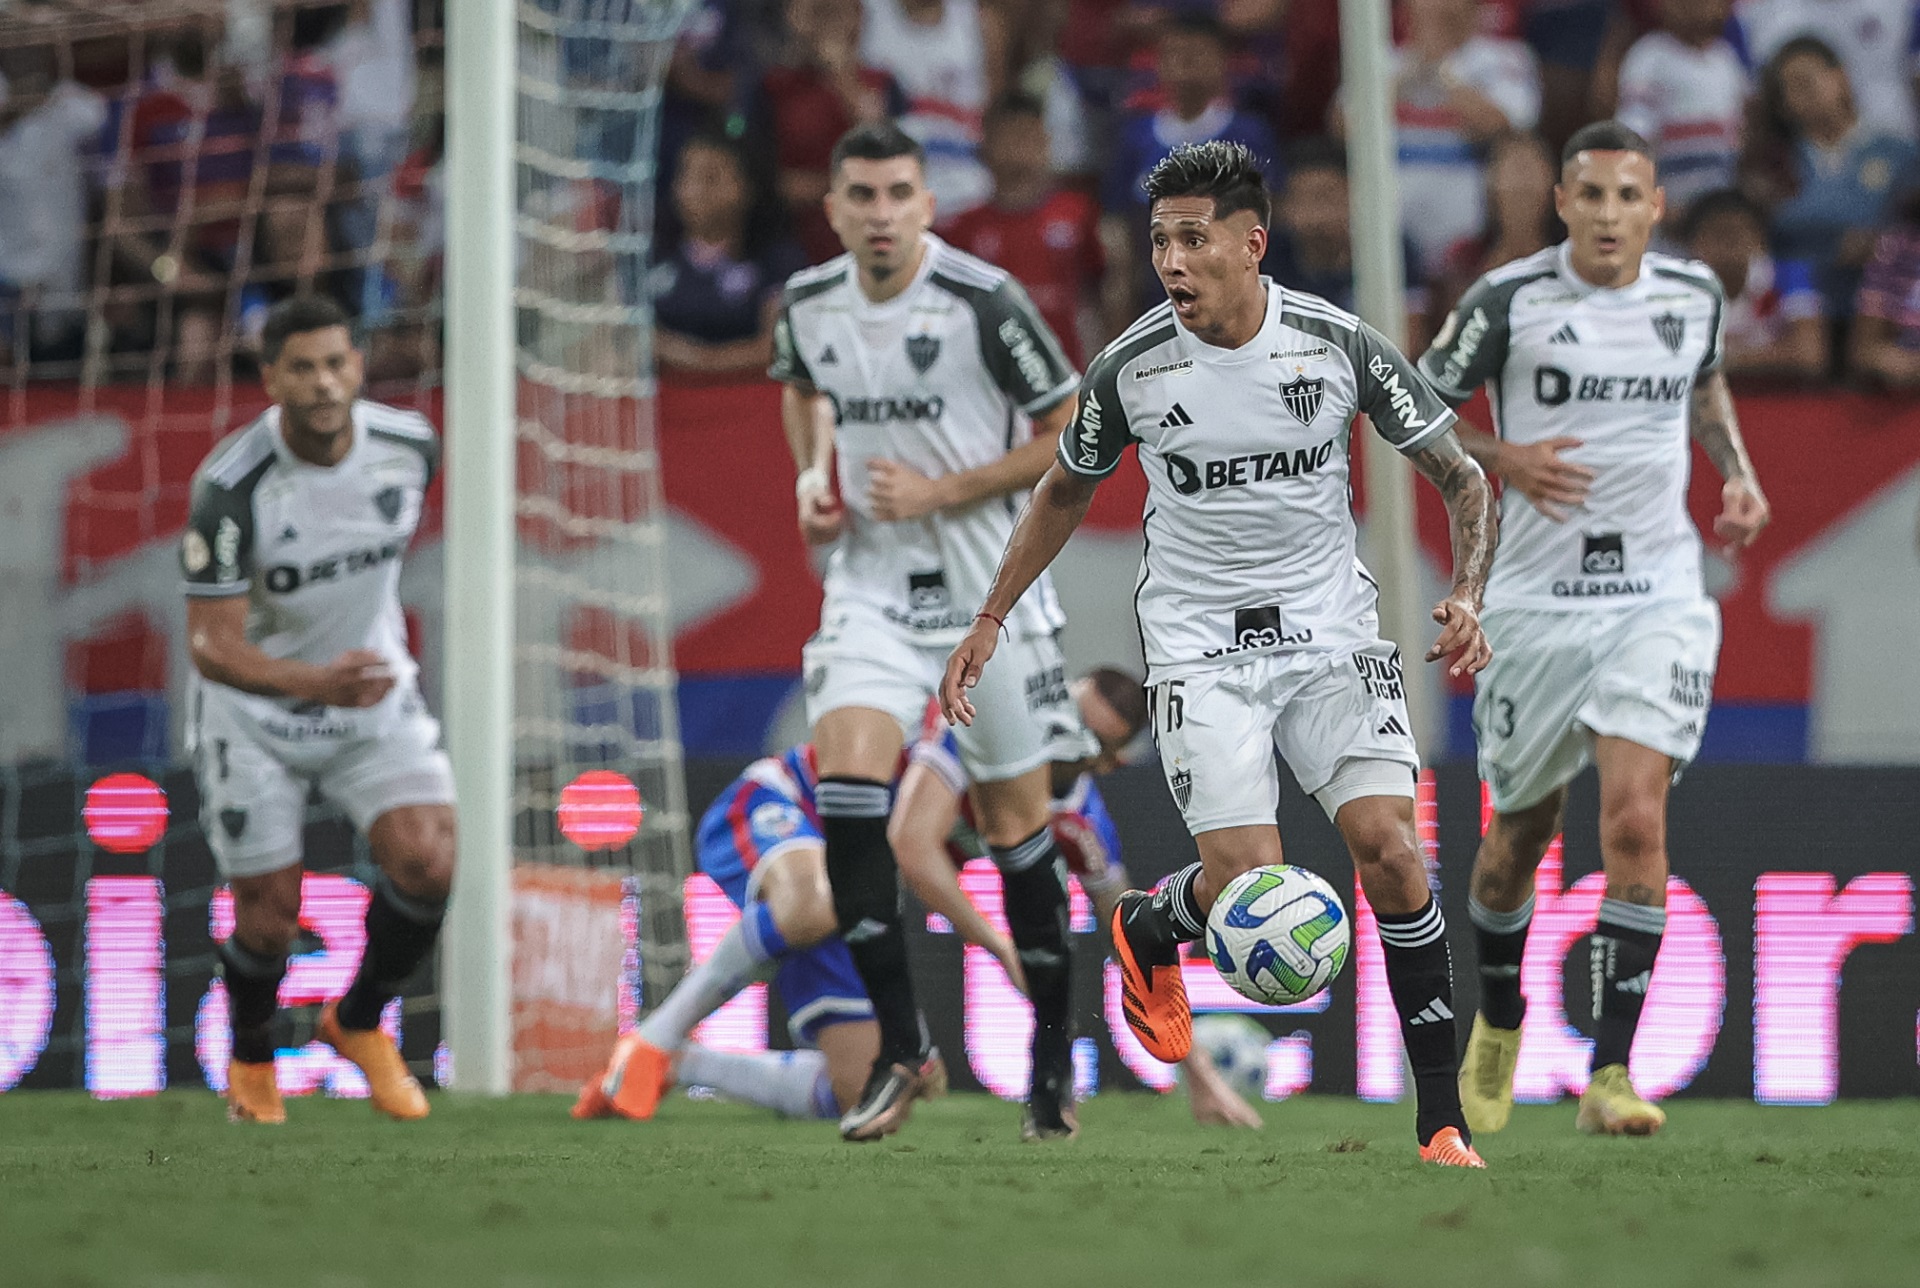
<point>925,809</point>
<point>1050,517</point>
<point>217,640</point>
<point>899,491</point>
<point>1475,526</point>
<point>1716,427</point>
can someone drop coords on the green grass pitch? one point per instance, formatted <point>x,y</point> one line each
<point>164,1192</point>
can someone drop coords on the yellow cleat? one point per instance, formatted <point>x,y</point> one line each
<point>1486,1076</point>
<point>253,1096</point>
<point>394,1090</point>
<point>1611,1107</point>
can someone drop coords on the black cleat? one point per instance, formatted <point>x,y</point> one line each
<point>1050,1114</point>
<point>886,1103</point>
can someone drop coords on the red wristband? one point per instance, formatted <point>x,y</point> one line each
<point>1000,622</point>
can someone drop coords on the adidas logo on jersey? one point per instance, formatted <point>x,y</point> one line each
<point>827,358</point>
<point>1393,726</point>
<point>1565,335</point>
<point>1176,418</point>
<point>289,533</point>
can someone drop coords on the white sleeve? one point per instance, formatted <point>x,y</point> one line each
<point>1511,78</point>
<point>1641,90</point>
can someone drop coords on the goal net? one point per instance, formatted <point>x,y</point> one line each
<point>203,159</point>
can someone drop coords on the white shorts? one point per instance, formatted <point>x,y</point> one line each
<point>1339,719</point>
<point>1026,717</point>
<point>254,784</point>
<point>1558,679</point>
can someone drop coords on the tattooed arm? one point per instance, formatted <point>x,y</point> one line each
<point>1743,506</point>
<point>1469,498</point>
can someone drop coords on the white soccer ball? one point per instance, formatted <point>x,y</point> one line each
<point>1237,1045</point>
<point>1278,935</point>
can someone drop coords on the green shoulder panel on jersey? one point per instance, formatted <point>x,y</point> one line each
<point>1696,274</point>
<point>1022,354</point>
<point>216,551</point>
<point>1472,345</point>
<point>1405,409</point>
<point>1091,444</point>
<point>789,366</point>
<point>409,429</point>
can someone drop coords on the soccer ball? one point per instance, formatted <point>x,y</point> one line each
<point>1237,1045</point>
<point>1278,935</point>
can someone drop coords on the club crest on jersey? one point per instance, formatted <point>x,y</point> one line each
<point>387,501</point>
<point>1182,784</point>
<point>1672,330</point>
<point>923,351</point>
<point>1303,398</point>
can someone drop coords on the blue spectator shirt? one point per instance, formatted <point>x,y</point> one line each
<point>720,300</point>
<point>1841,189</point>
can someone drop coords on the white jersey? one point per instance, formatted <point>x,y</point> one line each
<point>1250,542</point>
<point>1691,104</point>
<point>1615,369</point>
<point>315,549</point>
<point>942,70</point>
<point>940,378</point>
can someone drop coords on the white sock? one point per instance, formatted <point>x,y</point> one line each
<point>793,1084</point>
<point>706,988</point>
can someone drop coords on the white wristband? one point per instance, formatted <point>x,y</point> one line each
<point>812,481</point>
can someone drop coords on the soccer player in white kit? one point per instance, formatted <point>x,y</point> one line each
<point>292,562</point>
<point>1600,358</point>
<point>910,368</point>
<point>1257,616</point>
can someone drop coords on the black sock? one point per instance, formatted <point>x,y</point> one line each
<point>1625,942</point>
<point>1501,938</point>
<point>1420,977</point>
<point>1157,925</point>
<point>866,903</point>
<point>253,995</point>
<point>1034,883</point>
<point>401,931</point>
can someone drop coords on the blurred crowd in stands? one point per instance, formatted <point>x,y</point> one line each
<point>1785,129</point>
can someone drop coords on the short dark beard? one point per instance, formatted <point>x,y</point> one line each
<point>880,272</point>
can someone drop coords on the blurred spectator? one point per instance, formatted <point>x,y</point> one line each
<point>1040,71</point>
<point>1874,39</point>
<point>1520,178</point>
<point>45,126</point>
<point>1047,236</point>
<point>1568,37</point>
<point>1836,174</point>
<point>1774,321</point>
<point>1192,72</point>
<point>1684,89</point>
<point>1312,245</point>
<point>949,57</point>
<point>1884,344</point>
<point>819,92</point>
<point>716,291</point>
<point>372,59</point>
<point>1455,92</point>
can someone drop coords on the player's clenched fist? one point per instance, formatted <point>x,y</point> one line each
<point>1461,637</point>
<point>1743,512</point>
<point>359,677</point>
<point>821,514</point>
<point>964,667</point>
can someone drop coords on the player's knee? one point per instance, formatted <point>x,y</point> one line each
<point>1385,847</point>
<point>1633,828</point>
<point>265,922</point>
<point>1523,836</point>
<point>416,850</point>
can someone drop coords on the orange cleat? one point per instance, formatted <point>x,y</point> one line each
<point>1154,1000</point>
<point>592,1102</point>
<point>637,1076</point>
<point>394,1090</point>
<point>1447,1149</point>
<point>253,1096</point>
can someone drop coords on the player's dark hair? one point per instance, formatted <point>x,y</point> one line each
<point>297,316</point>
<point>1123,693</point>
<point>1198,22</point>
<point>1717,204</point>
<point>1320,152</point>
<point>1606,136</point>
<point>876,141</point>
<point>1017,103</point>
<point>1227,172</point>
